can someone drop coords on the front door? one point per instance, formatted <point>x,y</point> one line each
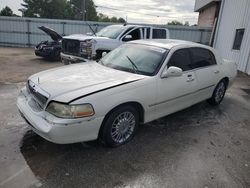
<point>176,93</point>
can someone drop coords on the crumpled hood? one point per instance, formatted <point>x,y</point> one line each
<point>69,82</point>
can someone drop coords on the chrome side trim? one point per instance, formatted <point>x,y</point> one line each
<point>161,102</point>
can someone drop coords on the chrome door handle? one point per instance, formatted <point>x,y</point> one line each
<point>190,79</point>
<point>216,71</point>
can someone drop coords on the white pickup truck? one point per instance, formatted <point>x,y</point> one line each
<point>78,47</point>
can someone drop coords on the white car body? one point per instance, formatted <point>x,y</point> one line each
<point>106,88</point>
<point>105,44</point>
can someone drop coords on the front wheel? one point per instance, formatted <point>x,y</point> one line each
<point>218,94</point>
<point>120,126</point>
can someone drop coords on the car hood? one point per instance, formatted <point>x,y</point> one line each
<point>66,83</point>
<point>82,37</point>
<point>54,35</point>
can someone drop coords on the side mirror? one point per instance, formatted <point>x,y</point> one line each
<point>127,38</point>
<point>172,72</point>
<point>104,53</point>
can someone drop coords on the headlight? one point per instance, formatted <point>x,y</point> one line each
<point>86,47</point>
<point>70,111</point>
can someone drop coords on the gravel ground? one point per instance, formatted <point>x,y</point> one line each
<point>202,146</point>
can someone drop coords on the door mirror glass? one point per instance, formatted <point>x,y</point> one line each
<point>127,38</point>
<point>104,53</point>
<point>172,72</point>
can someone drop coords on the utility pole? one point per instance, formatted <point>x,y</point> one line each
<point>84,10</point>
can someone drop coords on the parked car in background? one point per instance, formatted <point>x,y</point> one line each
<point>78,48</point>
<point>49,49</point>
<point>137,82</point>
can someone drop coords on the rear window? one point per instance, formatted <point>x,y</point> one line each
<point>159,34</point>
<point>201,57</point>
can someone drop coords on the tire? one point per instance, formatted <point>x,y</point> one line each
<point>57,56</point>
<point>120,126</point>
<point>218,94</point>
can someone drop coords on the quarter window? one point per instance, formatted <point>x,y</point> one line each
<point>159,34</point>
<point>181,59</point>
<point>201,58</point>
<point>238,39</point>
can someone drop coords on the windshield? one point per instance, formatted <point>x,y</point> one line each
<point>135,58</point>
<point>110,31</point>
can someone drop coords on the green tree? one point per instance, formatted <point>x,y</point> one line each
<point>186,23</point>
<point>58,9</point>
<point>175,22</point>
<point>105,18</point>
<point>121,20</point>
<point>113,19</point>
<point>84,10</point>
<point>6,11</point>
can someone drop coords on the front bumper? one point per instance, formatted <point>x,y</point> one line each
<point>71,59</point>
<point>57,130</point>
<point>43,53</point>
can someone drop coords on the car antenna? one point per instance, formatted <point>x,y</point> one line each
<point>91,28</point>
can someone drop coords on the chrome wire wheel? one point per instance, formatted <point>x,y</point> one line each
<point>219,94</point>
<point>123,127</point>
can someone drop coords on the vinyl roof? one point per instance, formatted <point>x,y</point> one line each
<point>168,43</point>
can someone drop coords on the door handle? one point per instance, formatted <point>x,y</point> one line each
<point>190,79</point>
<point>216,71</point>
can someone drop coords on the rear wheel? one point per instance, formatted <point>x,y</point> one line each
<point>120,126</point>
<point>218,93</point>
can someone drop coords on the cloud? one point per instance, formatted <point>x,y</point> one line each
<point>137,11</point>
<point>150,11</point>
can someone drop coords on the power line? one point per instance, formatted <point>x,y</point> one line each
<point>116,9</point>
<point>128,11</point>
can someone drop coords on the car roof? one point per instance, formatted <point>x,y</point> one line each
<point>169,43</point>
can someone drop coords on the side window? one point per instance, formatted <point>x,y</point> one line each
<point>181,59</point>
<point>238,39</point>
<point>133,35</point>
<point>201,57</point>
<point>159,34</point>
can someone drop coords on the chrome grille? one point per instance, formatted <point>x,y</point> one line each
<point>40,98</point>
<point>71,47</point>
<point>35,106</point>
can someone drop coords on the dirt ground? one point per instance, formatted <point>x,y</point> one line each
<point>17,64</point>
<point>199,147</point>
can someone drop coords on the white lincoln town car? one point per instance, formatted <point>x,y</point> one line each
<point>137,82</point>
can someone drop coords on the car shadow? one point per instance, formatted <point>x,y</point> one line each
<point>47,60</point>
<point>151,155</point>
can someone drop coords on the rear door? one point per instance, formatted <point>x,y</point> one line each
<point>206,70</point>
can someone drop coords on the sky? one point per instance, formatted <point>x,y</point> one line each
<point>137,11</point>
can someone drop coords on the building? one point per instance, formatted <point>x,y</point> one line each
<point>231,30</point>
<point>208,12</point>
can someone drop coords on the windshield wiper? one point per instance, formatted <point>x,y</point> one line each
<point>135,68</point>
